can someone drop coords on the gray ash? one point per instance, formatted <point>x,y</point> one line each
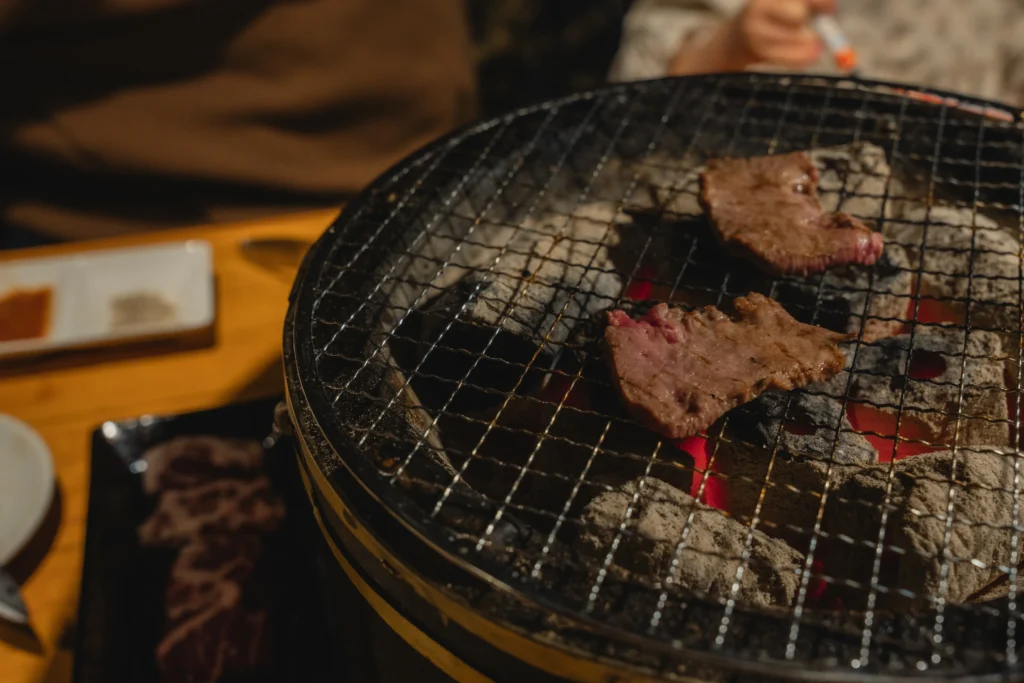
<point>855,179</point>
<point>962,252</point>
<point>916,569</point>
<point>713,547</point>
<point>500,321</point>
<point>806,432</point>
<point>852,298</point>
<point>928,381</point>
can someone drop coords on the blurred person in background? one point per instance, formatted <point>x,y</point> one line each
<point>975,47</point>
<point>127,115</point>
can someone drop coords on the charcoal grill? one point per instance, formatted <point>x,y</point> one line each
<point>451,462</point>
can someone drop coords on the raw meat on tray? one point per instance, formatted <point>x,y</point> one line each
<point>766,209</point>
<point>223,641</point>
<point>678,372</point>
<point>189,461</point>
<point>222,506</point>
<point>214,503</point>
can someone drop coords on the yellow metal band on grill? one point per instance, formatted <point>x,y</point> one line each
<point>417,639</point>
<point>556,662</point>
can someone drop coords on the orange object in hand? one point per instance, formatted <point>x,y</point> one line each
<point>836,42</point>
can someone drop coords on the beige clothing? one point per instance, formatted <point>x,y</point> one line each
<point>122,115</point>
<point>975,47</point>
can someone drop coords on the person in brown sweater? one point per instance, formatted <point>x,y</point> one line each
<point>129,115</point>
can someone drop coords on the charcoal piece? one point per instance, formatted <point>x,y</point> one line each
<point>679,372</point>
<point>557,271</point>
<point>998,588</point>
<point>917,524</point>
<point>439,257</point>
<point>502,325</point>
<point>855,179</point>
<point>809,428</point>
<point>931,393</point>
<point>707,564</point>
<point>421,423</point>
<point>561,439</point>
<point>965,255</point>
<point>805,432</point>
<point>675,187</point>
<point>188,461</point>
<point>766,210</point>
<point>847,298</point>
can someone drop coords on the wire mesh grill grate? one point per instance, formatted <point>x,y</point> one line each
<point>454,319</point>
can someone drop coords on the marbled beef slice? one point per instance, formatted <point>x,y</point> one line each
<point>222,506</point>
<point>188,461</point>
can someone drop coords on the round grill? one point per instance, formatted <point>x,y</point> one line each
<point>445,378</point>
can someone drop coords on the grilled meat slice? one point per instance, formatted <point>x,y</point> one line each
<point>678,372</point>
<point>855,179</point>
<point>766,209</point>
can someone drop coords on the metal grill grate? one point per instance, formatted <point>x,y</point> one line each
<point>453,314</point>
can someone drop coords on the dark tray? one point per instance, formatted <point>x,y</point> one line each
<point>120,617</point>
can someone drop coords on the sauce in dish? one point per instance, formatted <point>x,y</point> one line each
<point>25,314</point>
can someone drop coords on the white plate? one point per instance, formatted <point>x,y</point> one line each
<point>26,484</point>
<point>87,286</point>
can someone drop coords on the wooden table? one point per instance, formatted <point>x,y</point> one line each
<point>66,397</point>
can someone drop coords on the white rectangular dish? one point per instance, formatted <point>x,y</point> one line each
<point>107,296</point>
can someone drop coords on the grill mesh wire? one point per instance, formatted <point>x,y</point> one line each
<point>387,256</point>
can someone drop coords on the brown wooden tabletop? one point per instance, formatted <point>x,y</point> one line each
<point>65,397</point>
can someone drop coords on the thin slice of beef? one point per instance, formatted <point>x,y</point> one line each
<point>226,638</point>
<point>766,209</point>
<point>188,461</point>
<point>193,650</point>
<point>203,565</point>
<point>678,372</point>
<point>224,506</point>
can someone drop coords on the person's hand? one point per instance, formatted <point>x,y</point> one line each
<point>776,32</point>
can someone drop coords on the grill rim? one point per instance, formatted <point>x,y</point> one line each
<point>299,354</point>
